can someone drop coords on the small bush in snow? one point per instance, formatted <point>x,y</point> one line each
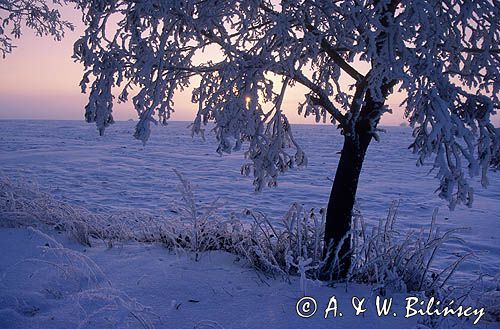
<point>199,237</point>
<point>389,259</point>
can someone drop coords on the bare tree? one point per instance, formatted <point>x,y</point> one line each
<point>443,55</point>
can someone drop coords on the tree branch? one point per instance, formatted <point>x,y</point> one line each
<point>335,56</point>
<point>322,99</point>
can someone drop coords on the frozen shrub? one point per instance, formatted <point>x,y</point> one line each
<point>197,227</point>
<point>383,257</point>
<point>400,261</point>
<point>23,204</point>
<point>285,247</point>
<point>293,245</point>
<point>199,218</point>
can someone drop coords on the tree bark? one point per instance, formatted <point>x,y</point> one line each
<point>338,247</point>
<point>340,205</point>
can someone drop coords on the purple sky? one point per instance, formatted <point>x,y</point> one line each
<point>39,80</point>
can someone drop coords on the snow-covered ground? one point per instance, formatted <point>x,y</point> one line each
<point>52,282</point>
<point>70,161</point>
<point>180,292</point>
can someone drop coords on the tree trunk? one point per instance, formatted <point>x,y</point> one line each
<point>341,202</point>
<point>345,183</point>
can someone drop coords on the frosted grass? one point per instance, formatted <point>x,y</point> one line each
<point>117,173</point>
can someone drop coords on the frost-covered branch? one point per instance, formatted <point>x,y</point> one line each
<point>34,14</point>
<point>239,55</point>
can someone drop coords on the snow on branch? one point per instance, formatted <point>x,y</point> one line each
<point>36,15</point>
<point>443,55</point>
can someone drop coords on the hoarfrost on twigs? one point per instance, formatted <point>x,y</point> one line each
<point>443,55</point>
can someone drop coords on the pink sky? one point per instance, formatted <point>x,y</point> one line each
<point>39,80</point>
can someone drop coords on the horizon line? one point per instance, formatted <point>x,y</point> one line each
<point>186,121</point>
